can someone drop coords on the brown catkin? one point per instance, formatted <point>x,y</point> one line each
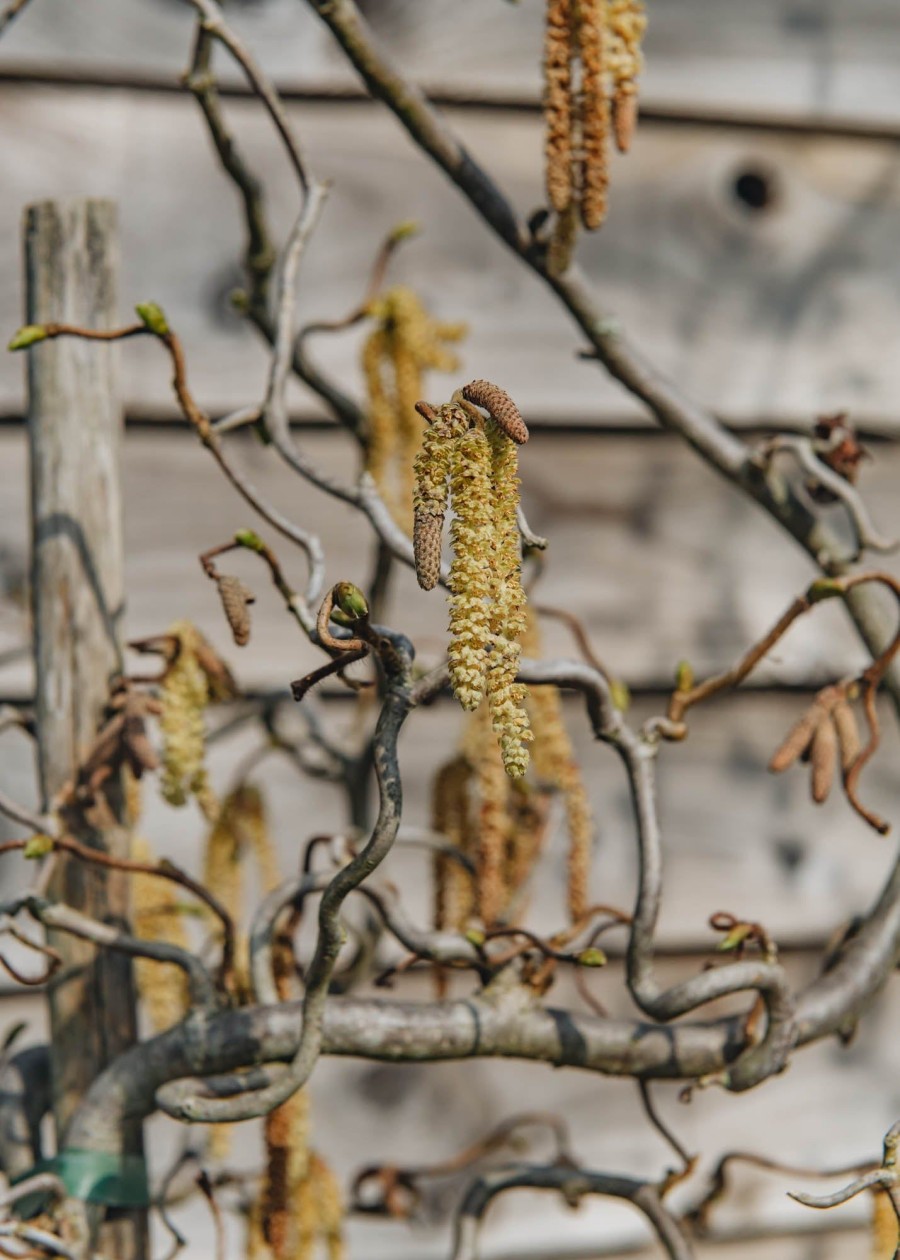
<point>848,734</point>
<point>595,113</point>
<point>797,740</point>
<point>501,408</point>
<point>823,759</point>
<point>626,24</point>
<point>454,894</point>
<point>236,600</point>
<point>558,53</point>
<point>428,529</point>
<point>625,115</point>
<point>493,829</point>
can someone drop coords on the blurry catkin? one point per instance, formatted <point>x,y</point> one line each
<point>626,25</point>
<point>236,600</point>
<point>185,693</point>
<point>454,897</point>
<point>884,1233</point>
<point>847,730</point>
<point>595,113</point>
<point>506,697</point>
<point>493,829</point>
<point>554,763</point>
<point>405,342</point>
<point>287,1164</point>
<point>558,53</point>
<point>156,916</point>
<point>592,59</point>
<point>471,578</point>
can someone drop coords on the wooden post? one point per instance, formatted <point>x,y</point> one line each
<point>75,422</point>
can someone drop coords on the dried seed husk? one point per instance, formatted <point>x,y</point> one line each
<point>798,739</point>
<point>823,759</point>
<point>847,732</point>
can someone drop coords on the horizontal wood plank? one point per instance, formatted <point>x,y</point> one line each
<point>659,558</point>
<point>798,56</point>
<point>773,315</point>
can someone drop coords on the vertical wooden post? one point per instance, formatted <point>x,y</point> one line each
<point>75,421</point>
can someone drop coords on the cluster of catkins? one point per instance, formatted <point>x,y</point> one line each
<point>404,343</point>
<point>592,59</point>
<point>499,825</point>
<point>470,461</point>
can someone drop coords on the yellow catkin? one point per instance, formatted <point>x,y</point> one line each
<point>493,830</point>
<point>506,697</point>
<point>884,1234</point>
<point>185,693</point>
<point>156,916</point>
<point>470,573</point>
<point>555,764</point>
<point>405,343</point>
<point>595,113</point>
<point>558,53</point>
<point>454,894</point>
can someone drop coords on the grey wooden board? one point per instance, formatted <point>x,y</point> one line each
<point>801,56</point>
<point>660,558</point>
<point>725,823</point>
<point>782,314</point>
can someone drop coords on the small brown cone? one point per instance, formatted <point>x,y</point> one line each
<point>501,408</point>
<point>236,599</point>
<point>427,530</point>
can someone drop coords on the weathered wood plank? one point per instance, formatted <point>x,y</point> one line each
<point>659,557</point>
<point>776,313</point>
<point>804,57</point>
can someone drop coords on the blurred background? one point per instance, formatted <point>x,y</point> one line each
<point>751,250</point>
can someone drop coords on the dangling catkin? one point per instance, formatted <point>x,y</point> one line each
<point>591,62</point>
<point>506,697</point>
<point>236,600</point>
<point>185,695</point>
<point>432,471</point>
<point>555,764</point>
<point>595,113</point>
<point>627,23</point>
<point>404,343</point>
<point>156,916</point>
<point>471,582</point>
<point>454,895</point>
<point>491,823</point>
<point>884,1234</point>
<point>558,54</point>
